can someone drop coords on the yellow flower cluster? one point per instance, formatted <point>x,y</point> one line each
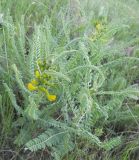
<point>40,82</point>
<point>99,27</point>
<point>31,87</point>
<point>51,97</point>
<point>98,31</point>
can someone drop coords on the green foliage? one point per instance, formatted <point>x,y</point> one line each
<point>91,49</point>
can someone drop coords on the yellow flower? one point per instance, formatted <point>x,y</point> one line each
<point>37,74</point>
<point>51,97</point>
<point>34,82</point>
<point>98,26</point>
<point>31,87</point>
